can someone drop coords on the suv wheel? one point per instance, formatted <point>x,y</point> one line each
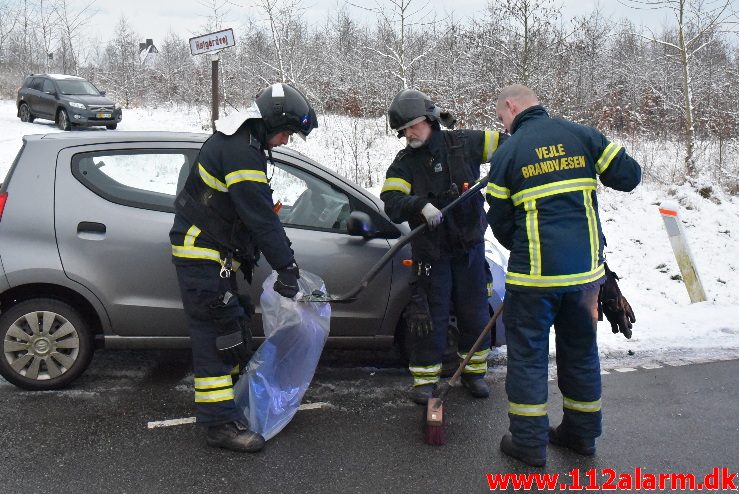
<point>62,120</point>
<point>25,113</point>
<point>111,126</point>
<point>46,344</point>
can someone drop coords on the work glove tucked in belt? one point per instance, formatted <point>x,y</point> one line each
<point>416,314</point>
<point>287,281</point>
<point>615,306</point>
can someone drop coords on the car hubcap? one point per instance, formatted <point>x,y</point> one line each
<point>41,345</point>
<point>24,113</point>
<point>62,120</point>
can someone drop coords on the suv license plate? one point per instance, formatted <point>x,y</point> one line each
<point>104,115</point>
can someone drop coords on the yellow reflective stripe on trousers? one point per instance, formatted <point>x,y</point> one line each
<point>213,382</point>
<point>553,188</point>
<point>191,236</point>
<point>492,138</point>
<point>605,159</point>
<point>246,176</point>
<point>214,396</point>
<point>196,253</point>
<point>527,410</point>
<point>477,357</point>
<point>497,191</point>
<point>397,184</point>
<point>581,406</point>
<point>210,180</point>
<point>532,232</point>
<point>554,281</point>
<point>587,197</point>
<point>428,370</point>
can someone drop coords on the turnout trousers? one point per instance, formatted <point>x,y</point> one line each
<point>528,315</point>
<point>201,287</point>
<point>463,282</point>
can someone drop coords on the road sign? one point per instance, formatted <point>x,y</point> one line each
<point>212,42</point>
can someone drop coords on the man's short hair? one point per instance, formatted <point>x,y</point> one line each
<point>519,93</point>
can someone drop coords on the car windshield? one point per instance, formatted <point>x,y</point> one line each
<point>77,87</point>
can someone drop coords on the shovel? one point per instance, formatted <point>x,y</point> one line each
<point>353,294</point>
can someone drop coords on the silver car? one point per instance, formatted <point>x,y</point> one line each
<point>85,254</point>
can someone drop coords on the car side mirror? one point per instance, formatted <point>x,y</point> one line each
<point>360,224</point>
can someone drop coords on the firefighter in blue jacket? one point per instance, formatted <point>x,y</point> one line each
<point>224,219</point>
<point>449,258</point>
<point>543,207</point>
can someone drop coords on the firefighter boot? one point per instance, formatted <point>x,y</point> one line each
<point>476,385</point>
<point>580,445</point>
<point>234,436</point>
<point>421,394</point>
<point>535,457</point>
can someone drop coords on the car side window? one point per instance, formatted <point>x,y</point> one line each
<point>37,83</point>
<point>48,86</point>
<point>308,201</point>
<point>142,178</point>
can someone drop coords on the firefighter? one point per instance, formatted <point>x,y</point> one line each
<point>224,219</point>
<point>449,258</point>
<point>543,207</point>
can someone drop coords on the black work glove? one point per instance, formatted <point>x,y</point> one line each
<point>416,314</point>
<point>447,119</point>
<point>287,281</point>
<point>615,306</point>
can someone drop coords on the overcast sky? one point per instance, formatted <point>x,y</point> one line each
<point>155,18</point>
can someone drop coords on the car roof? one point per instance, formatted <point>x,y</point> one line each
<point>63,77</point>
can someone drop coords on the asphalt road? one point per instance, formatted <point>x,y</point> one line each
<point>363,437</point>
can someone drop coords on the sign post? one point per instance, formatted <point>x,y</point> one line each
<point>670,214</point>
<point>213,43</point>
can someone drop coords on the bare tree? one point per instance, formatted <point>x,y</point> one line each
<point>697,23</point>
<point>72,23</point>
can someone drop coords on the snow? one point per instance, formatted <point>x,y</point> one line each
<point>668,327</point>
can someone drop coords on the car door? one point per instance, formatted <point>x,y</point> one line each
<point>47,98</point>
<point>314,209</point>
<point>113,212</point>
<point>33,95</point>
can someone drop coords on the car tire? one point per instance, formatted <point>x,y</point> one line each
<point>62,120</point>
<point>24,112</point>
<point>111,126</point>
<point>46,344</point>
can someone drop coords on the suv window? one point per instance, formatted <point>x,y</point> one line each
<point>141,178</point>
<point>37,83</point>
<point>308,201</point>
<point>48,86</point>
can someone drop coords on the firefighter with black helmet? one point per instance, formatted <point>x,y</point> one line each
<point>450,269</point>
<point>224,220</point>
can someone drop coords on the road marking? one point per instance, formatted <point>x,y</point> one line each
<point>651,366</point>
<point>191,420</point>
<point>625,369</point>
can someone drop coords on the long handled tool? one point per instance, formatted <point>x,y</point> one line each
<point>352,294</point>
<point>434,433</point>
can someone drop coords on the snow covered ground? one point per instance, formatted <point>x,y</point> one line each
<point>668,327</point>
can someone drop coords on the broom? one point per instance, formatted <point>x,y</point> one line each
<point>433,433</point>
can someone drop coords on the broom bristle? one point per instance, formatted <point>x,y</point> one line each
<point>433,432</point>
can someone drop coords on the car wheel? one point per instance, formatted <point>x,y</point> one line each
<point>111,126</point>
<point>62,120</point>
<point>46,344</point>
<point>25,113</point>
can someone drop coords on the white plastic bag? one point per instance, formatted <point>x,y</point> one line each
<point>280,371</point>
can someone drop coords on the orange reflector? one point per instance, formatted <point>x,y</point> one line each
<point>277,207</point>
<point>668,212</point>
<point>407,262</point>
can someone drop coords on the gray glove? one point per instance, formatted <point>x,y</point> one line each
<point>432,215</point>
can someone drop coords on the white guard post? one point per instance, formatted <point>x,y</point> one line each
<point>671,216</point>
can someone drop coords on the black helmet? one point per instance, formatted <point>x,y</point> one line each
<point>410,107</point>
<point>283,107</point>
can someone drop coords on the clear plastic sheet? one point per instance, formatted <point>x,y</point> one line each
<point>280,371</point>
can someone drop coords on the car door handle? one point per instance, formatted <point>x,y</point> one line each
<point>90,227</point>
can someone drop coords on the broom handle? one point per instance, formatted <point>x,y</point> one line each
<point>458,373</point>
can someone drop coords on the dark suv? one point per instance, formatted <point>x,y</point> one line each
<point>67,100</point>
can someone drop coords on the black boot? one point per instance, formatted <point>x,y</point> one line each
<point>535,457</point>
<point>234,436</point>
<point>476,385</point>
<point>421,394</point>
<point>580,445</point>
